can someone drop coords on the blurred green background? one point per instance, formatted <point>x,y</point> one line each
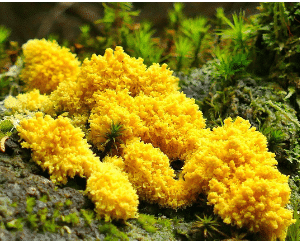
<point>39,19</point>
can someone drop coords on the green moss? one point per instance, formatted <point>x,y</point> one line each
<point>68,203</point>
<point>2,135</point>
<point>6,126</point>
<point>112,138</point>
<point>2,225</point>
<point>56,213</point>
<point>206,227</point>
<point>15,224</point>
<point>70,218</point>
<point>293,232</point>
<point>112,232</point>
<point>58,205</point>
<point>50,226</point>
<point>30,204</point>
<point>43,215</point>
<point>164,222</point>
<point>147,222</point>
<point>14,204</point>
<point>41,221</point>
<point>46,223</point>
<point>32,220</point>
<point>44,198</point>
<point>88,215</point>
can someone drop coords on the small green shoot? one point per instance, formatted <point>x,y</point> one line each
<point>196,31</point>
<point>176,15</point>
<point>85,31</point>
<point>207,227</point>
<point>43,215</point>
<point>239,32</point>
<point>116,21</point>
<point>229,64</point>
<point>183,51</point>
<point>114,11</point>
<point>293,233</point>
<point>164,222</point>
<point>4,34</point>
<point>141,44</point>
<point>112,138</point>
<point>2,225</point>
<point>56,213</point>
<point>50,226</point>
<point>275,138</point>
<point>58,205</point>
<point>53,37</point>
<point>115,132</point>
<point>236,235</point>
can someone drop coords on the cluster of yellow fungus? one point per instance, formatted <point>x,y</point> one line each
<point>57,146</point>
<point>68,98</point>
<point>149,172</point>
<point>28,102</point>
<point>230,164</point>
<point>241,180</point>
<point>47,64</point>
<point>171,123</point>
<point>109,188</point>
<point>116,70</point>
<point>121,108</point>
<point>60,148</point>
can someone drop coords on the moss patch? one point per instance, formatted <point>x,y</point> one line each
<point>112,233</point>
<point>147,222</point>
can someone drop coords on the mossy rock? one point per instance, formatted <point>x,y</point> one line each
<point>265,104</point>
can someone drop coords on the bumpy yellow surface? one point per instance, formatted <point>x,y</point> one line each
<point>149,171</point>
<point>231,164</point>
<point>172,123</point>
<point>60,148</point>
<point>121,108</point>
<point>47,64</point>
<point>241,180</point>
<point>117,70</point>
<point>57,146</point>
<point>67,98</point>
<point>112,193</point>
<point>28,102</point>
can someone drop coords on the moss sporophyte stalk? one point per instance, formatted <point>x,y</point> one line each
<point>151,123</point>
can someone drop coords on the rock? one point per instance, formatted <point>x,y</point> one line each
<point>32,207</point>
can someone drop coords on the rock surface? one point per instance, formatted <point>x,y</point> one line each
<point>32,208</point>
